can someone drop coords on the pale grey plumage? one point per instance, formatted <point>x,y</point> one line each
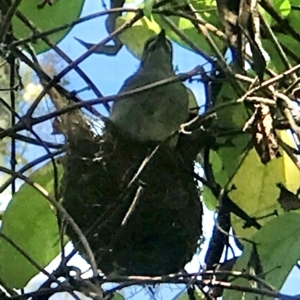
<point>155,114</point>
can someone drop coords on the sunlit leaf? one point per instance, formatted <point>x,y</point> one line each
<point>148,5</point>
<point>256,187</point>
<point>207,11</point>
<point>49,17</point>
<point>282,7</point>
<point>30,222</point>
<point>135,37</point>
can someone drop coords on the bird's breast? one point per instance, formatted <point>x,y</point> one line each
<point>154,114</point>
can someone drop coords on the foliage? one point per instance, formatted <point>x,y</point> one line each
<point>246,137</point>
<point>24,224</point>
<point>39,16</point>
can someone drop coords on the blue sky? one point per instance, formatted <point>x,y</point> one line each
<point>108,74</point>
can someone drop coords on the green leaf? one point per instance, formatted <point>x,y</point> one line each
<point>293,17</point>
<point>282,7</point>
<point>221,177</point>
<point>218,167</point>
<point>135,37</point>
<point>118,296</point>
<point>30,222</point>
<point>275,62</point>
<point>61,12</point>
<point>226,160</point>
<point>278,245</point>
<point>209,199</point>
<point>198,295</point>
<point>148,5</point>
<point>207,11</point>
<point>256,187</point>
<point>232,148</point>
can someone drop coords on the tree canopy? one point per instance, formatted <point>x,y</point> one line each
<point>245,138</point>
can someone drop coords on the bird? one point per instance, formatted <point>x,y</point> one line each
<point>132,214</point>
<point>155,114</point>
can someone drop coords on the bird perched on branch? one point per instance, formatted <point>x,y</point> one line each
<point>138,207</point>
<point>154,114</point>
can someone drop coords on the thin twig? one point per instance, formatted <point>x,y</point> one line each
<point>6,22</point>
<point>63,55</point>
<point>30,166</point>
<point>61,210</point>
<point>33,121</point>
<point>133,205</point>
<point>32,261</point>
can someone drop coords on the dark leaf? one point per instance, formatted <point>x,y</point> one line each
<point>288,200</point>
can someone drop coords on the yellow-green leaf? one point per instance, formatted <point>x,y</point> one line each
<point>135,37</point>
<point>30,222</point>
<point>207,13</point>
<point>148,5</point>
<point>256,187</point>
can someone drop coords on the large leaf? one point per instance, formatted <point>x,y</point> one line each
<point>232,148</point>
<point>148,5</point>
<point>256,190</point>
<point>282,7</point>
<point>30,222</point>
<point>277,248</point>
<point>135,37</point>
<point>256,187</point>
<point>207,11</point>
<point>49,17</point>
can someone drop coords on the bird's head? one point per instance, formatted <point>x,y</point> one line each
<point>157,52</point>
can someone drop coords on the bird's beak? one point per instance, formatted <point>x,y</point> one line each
<point>162,35</point>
